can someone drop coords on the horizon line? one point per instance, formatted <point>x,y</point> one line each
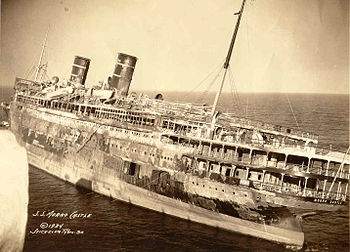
<point>224,92</point>
<point>241,92</point>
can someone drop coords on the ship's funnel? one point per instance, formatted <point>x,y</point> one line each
<point>80,69</point>
<point>123,72</point>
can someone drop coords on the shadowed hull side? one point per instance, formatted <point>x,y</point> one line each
<point>111,186</point>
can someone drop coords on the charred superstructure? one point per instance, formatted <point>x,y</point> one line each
<point>170,158</point>
<point>180,159</point>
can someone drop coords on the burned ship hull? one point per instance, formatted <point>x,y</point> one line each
<point>129,165</point>
<point>180,159</point>
<point>242,176</point>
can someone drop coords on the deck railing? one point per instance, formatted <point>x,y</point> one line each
<point>204,135</point>
<point>298,191</point>
<point>344,173</point>
<point>229,118</point>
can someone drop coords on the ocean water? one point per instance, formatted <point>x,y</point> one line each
<point>116,226</point>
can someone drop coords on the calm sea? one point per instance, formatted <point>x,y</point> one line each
<point>115,225</point>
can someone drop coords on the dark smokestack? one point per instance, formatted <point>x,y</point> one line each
<point>123,72</point>
<point>80,69</point>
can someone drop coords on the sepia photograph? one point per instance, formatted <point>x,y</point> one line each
<point>188,125</point>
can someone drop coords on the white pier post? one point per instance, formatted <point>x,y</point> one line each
<point>346,191</point>
<point>246,175</point>
<point>282,181</point>
<point>235,154</point>
<point>263,178</point>
<point>308,165</point>
<point>324,188</point>
<point>250,156</point>
<point>267,158</point>
<point>304,192</point>
<point>285,162</point>
<point>338,190</point>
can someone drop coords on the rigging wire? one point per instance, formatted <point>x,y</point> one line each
<point>234,102</point>
<point>45,73</point>
<point>235,97</point>
<point>233,87</point>
<point>214,70</point>
<point>209,87</point>
<point>202,81</point>
<point>30,72</point>
<point>235,93</point>
<point>31,68</point>
<point>290,106</point>
<point>47,76</point>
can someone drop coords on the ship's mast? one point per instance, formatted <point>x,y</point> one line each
<point>228,57</point>
<point>41,56</point>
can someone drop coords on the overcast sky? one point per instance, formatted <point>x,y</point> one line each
<point>282,45</point>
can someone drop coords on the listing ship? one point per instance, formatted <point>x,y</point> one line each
<point>184,160</point>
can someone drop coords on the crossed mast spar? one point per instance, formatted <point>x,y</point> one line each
<point>41,56</point>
